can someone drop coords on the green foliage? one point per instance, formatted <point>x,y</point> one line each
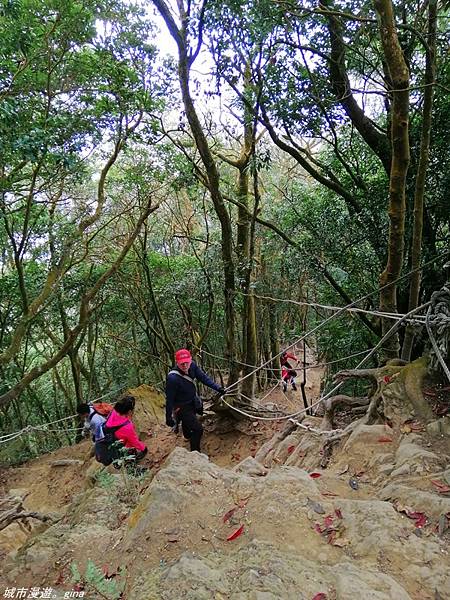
<point>95,580</point>
<point>105,479</point>
<point>78,78</point>
<point>81,80</point>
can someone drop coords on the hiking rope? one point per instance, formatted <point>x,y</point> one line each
<point>420,319</point>
<point>31,427</point>
<point>300,367</point>
<point>442,321</point>
<point>337,314</point>
<point>8,437</point>
<point>386,336</point>
<point>258,418</point>
<point>345,308</point>
<point>251,406</point>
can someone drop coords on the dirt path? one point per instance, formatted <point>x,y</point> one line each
<point>50,488</point>
<point>377,518</point>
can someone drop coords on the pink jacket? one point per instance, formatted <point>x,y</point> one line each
<point>127,433</point>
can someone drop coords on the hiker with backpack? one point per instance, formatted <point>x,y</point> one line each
<point>182,403</point>
<point>120,439</point>
<point>94,415</point>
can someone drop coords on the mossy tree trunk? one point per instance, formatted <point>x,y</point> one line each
<point>416,244</point>
<point>245,243</point>
<point>399,80</point>
<point>186,57</point>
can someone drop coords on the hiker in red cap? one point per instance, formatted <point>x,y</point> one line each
<point>182,402</point>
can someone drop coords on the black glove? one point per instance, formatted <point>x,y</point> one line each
<point>198,405</point>
<point>221,391</point>
<point>170,422</point>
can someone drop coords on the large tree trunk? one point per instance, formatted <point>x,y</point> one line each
<point>245,251</point>
<point>416,244</point>
<point>185,59</point>
<point>399,76</point>
<point>274,340</point>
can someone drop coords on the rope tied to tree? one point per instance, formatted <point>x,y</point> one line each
<point>438,328</point>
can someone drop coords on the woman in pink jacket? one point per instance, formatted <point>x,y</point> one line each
<point>119,427</point>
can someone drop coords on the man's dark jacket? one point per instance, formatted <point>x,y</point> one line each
<point>181,392</point>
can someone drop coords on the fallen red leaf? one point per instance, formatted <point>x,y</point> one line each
<point>320,596</point>
<point>318,528</point>
<point>328,521</point>
<point>291,449</point>
<point>384,439</point>
<point>419,517</point>
<point>228,514</point>
<point>235,534</point>
<point>421,521</point>
<point>387,379</point>
<point>315,475</point>
<point>441,487</point>
<point>338,513</point>
<point>328,493</point>
<point>331,538</point>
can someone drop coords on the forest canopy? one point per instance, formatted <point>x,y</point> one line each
<point>160,195</point>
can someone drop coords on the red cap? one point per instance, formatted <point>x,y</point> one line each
<point>182,355</point>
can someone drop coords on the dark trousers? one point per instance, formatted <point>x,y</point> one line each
<point>192,428</point>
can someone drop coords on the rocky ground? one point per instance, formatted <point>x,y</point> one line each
<point>259,519</point>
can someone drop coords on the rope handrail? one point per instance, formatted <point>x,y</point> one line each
<point>339,310</point>
<point>338,313</point>
<point>432,337</point>
<point>8,437</point>
<point>304,367</point>
<point>386,336</point>
<point>420,319</point>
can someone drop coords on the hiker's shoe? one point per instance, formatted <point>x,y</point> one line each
<point>294,387</point>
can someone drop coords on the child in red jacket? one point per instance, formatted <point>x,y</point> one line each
<point>119,421</point>
<point>287,372</point>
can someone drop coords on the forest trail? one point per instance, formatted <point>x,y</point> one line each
<point>257,520</point>
<point>51,486</point>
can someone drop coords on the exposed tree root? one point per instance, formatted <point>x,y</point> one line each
<point>11,509</point>
<point>331,404</point>
<point>327,448</point>
<point>279,437</point>
<point>397,386</point>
